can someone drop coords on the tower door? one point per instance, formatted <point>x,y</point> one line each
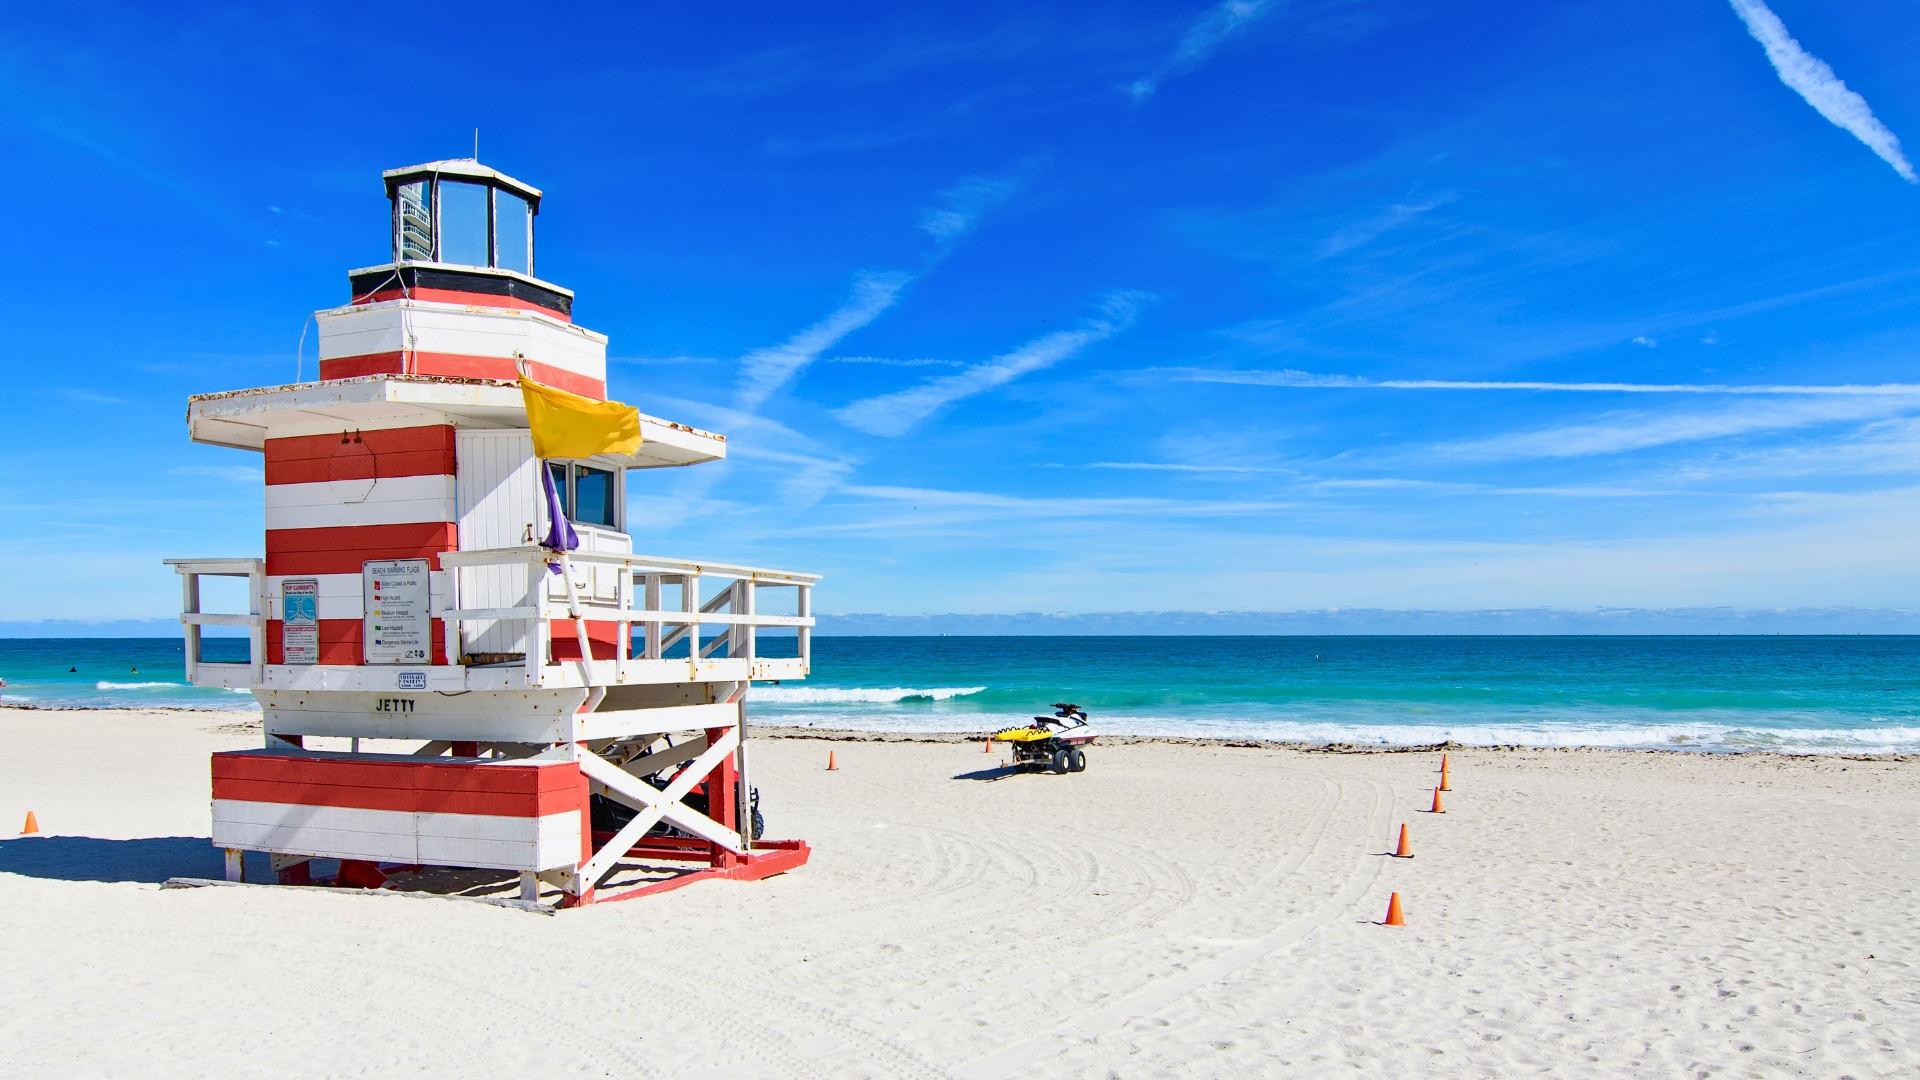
<point>499,494</point>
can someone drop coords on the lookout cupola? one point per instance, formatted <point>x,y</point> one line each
<point>462,213</point>
<point>459,298</point>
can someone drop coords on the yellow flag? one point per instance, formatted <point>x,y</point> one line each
<point>570,426</point>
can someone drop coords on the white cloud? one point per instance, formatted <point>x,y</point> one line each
<point>1217,24</point>
<point>895,413</point>
<point>962,205</point>
<point>1155,466</point>
<point>890,362</point>
<point>1646,342</point>
<point>764,371</point>
<point>1638,431</point>
<point>1312,380</point>
<point>1812,79</point>
<point>1361,233</point>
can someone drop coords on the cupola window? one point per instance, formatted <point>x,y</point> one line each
<point>512,233</point>
<point>463,223</point>
<point>462,213</point>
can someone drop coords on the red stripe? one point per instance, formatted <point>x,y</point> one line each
<point>340,642</point>
<point>308,459</point>
<point>425,774</point>
<point>458,366</point>
<point>426,786</point>
<point>366,798</point>
<point>341,550</point>
<point>471,299</point>
<point>603,636</point>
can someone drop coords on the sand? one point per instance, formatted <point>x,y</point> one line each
<point>1176,910</point>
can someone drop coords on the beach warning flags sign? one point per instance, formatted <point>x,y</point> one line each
<point>570,426</point>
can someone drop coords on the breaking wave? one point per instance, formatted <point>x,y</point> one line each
<point>103,685</point>
<point>850,695</point>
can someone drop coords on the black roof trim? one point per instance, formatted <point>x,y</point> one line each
<point>453,279</point>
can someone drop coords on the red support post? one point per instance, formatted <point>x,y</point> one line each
<point>720,785</point>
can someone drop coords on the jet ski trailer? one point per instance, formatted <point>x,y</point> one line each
<point>1054,742</point>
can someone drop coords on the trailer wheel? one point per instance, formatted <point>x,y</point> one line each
<point>1076,760</point>
<point>1061,762</point>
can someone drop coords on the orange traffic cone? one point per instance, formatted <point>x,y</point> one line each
<point>1394,915</point>
<point>1444,786</point>
<point>1405,850</point>
<point>987,747</point>
<point>831,767</point>
<point>32,826</point>
<point>1437,808</point>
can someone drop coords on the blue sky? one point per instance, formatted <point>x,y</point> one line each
<point>1025,307</point>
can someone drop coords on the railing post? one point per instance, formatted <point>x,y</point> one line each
<point>654,630</point>
<point>449,623</point>
<point>622,597</point>
<point>536,657</point>
<point>746,607</point>
<point>190,605</point>
<point>690,602</point>
<point>804,609</point>
<point>734,630</point>
<point>257,623</point>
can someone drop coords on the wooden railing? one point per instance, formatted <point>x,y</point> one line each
<point>639,582</point>
<point>192,618</point>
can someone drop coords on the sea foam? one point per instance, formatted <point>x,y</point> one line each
<point>851,695</point>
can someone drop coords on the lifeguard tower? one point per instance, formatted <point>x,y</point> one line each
<point>419,585</point>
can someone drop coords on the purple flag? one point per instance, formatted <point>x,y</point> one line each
<point>560,537</point>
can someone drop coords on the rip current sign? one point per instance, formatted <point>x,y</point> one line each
<point>399,627</point>
<point>300,621</point>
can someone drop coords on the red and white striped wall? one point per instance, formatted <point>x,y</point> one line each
<point>336,501</point>
<point>498,814</point>
<point>414,337</point>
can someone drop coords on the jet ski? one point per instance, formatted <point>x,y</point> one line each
<point>1054,742</point>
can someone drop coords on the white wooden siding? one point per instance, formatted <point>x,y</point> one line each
<point>391,500</point>
<point>372,329</point>
<point>403,836</point>
<point>499,501</point>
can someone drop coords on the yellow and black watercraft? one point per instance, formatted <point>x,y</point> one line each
<point>1056,742</point>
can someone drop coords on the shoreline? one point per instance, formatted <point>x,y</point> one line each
<point>785,731</point>
<point>778,731</point>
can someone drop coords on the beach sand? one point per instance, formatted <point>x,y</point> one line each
<point>1177,910</point>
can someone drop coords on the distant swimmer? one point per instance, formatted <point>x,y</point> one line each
<point>72,669</point>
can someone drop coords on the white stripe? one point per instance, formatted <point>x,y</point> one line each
<point>419,326</point>
<point>391,500</point>
<point>343,596</point>
<point>342,832</point>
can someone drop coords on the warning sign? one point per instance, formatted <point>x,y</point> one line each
<point>300,621</point>
<point>399,626</point>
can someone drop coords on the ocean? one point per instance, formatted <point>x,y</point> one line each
<point>1813,694</point>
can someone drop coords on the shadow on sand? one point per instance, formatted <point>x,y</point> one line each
<point>1000,772</point>
<point>87,858</point>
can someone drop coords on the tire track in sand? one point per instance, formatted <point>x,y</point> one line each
<point>1105,932</point>
<point>1093,1023</point>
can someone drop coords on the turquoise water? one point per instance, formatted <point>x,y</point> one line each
<point>113,673</point>
<point>1804,694</point>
